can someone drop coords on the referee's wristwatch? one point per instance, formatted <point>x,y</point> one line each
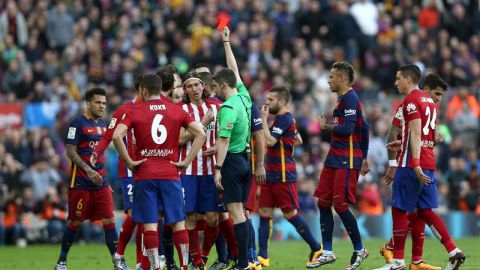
<point>218,167</point>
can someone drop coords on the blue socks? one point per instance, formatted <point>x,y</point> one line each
<point>263,235</point>
<point>304,231</point>
<point>326,227</point>
<point>221,247</point>
<point>67,241</point>
<point>111,237</point>
<point>351,226</point>
<point>252,250</point>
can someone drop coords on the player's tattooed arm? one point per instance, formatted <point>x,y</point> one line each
<point>415,147</point>
<point>72,154</point>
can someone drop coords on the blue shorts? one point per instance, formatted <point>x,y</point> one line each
<point>408,193</point>
<point>153,196</point>
<point>200,193</point>
<point>127,192</point>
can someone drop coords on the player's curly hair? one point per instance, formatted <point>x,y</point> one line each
<point>433,81</point>
<point>193,75</point>
<point>346,68</point>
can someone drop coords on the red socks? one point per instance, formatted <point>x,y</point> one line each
<point>150,240</point>
<point>125,234</point>
<point>417,226</point>
<point>400,231</point>
<point>180,238</point>
<point>438,228</point>
<point>210,236</point>
<point>195,247</point>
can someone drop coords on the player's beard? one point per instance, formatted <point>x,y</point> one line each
<point>273,109</point>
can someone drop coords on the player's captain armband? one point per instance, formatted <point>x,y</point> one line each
<point>71,133</point>
<point>392,163</point>
<point>112,123</point>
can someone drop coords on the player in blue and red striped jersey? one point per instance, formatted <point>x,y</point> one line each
<point>89,194</point>
<point>345,161</point>
<point>156,124</point>
<point>280,189</point>
<point>125,176</point>
<point>414,184</point>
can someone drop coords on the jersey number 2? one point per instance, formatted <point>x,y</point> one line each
<point>432,117</point>
<point>159,132</point>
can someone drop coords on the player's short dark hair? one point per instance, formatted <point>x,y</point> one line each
<point>195,75</point>
<point>200,65</point>
<point>168,80</point>
<point>207,77</point>
<point>433,81</point>
<point>152,83</point>
<point>138,82</point>
<point>227,76</point>
<point>411,71</point>
<point>99,91</point>
<point>281,92</point>
<point>346,68</point>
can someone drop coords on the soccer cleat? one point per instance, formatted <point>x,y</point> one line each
<point>254,265</point>
<point>423,266</point>
<point>323,259</point>
<point>200,266</point>
<point>218,265</point>
<point>357,259</point>
<point>314,255</point>
<point>393,265</point>
<point>264,261</point>
<point>454,262</point>
<point>387,253</point>
<point>61,266</point>
<point>119,262</point>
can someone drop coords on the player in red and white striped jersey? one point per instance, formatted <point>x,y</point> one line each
<point>198,178</point>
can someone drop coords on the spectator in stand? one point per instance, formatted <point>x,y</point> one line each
<point>60,28</point>
<point>12,22</point>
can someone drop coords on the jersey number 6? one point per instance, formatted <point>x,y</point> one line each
<point>159,132</point>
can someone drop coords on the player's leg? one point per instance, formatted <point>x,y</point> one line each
<point>207,203</point>
<point>79,210</point>
<point>416,226</point>
<point>427,200</point>
<point>249,206</point>
<point>324,193</point>
<point>286,196</point>
<point>266,204</point>
<point>174,211</point>
<point>344,193</point>
<point>191,187</point>
<point>128,224</point>
<point>235,181</point>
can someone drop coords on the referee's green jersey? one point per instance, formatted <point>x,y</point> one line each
<point>234,119</point>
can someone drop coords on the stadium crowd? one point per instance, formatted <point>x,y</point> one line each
<point>53,51</point>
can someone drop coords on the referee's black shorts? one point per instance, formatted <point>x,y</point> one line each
<point>236,177</point>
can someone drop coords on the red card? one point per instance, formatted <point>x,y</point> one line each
<point>224,21</point>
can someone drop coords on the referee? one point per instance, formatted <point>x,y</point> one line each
<point>232,172</point>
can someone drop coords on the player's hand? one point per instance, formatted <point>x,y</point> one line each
<point>264,112</point>
<point>93,158</point>
<point>226,34</point>
<point>439,137</point>
<point>394,146</point>
<point>94,176</point>
<point>133,164</point>
<point>389,175</point>
<point>424,179</point>
<point>260,175</point>
<point>218,180</point>
<point>210,151</point>
<point>364,169</point>
<point>208,117</point>
<point>321,120</point>
<point>181,165</point>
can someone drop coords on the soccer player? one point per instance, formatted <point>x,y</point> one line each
<point>436,87</point>
<point>197,179</point>
<point>125,175</point>
<point>345,160</point>
<point>280,190</point>
<point>414,185</point>
<point>89,195</point>
<point>156,124</point>
<point>232,169</point>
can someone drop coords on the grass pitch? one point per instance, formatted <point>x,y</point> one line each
<point>283,255</point>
